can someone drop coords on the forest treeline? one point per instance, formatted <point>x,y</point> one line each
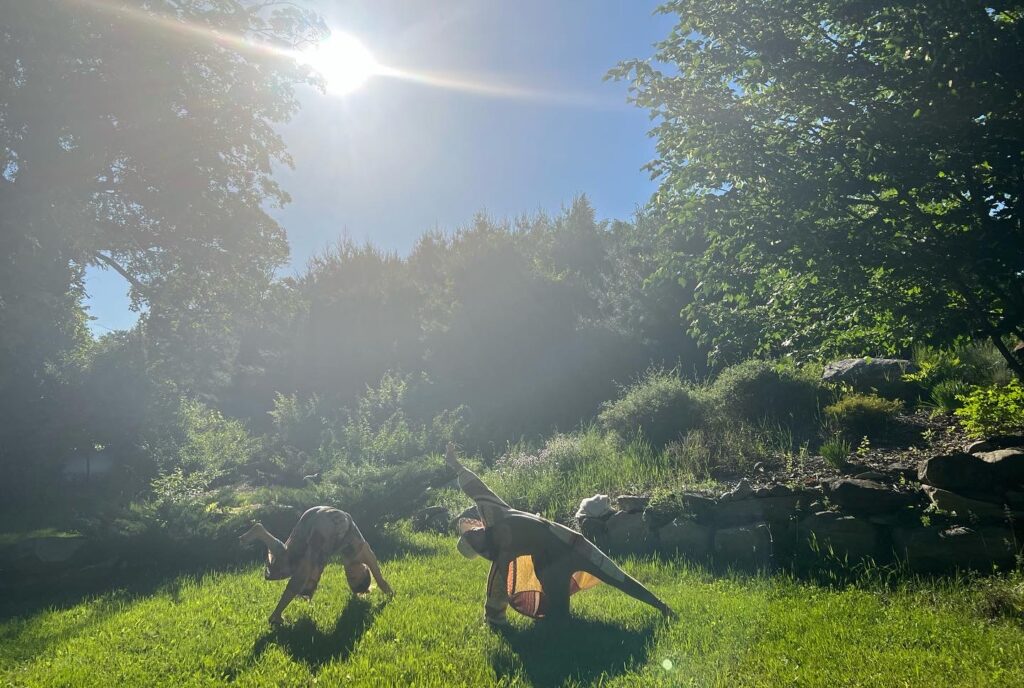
<point>836,178</point>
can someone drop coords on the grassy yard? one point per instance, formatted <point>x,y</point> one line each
<point>731,631</point>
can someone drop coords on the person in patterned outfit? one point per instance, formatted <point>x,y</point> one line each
<point>536,564</point>
<point>321,532</point>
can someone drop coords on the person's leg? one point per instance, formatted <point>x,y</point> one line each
<point>595,562</point>
<point>496,605</point>
<point>555,578</point>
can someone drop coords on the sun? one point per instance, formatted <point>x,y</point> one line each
<point>343,61</point>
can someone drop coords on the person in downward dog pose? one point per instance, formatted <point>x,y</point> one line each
<point>320,532</point>
<point>536,564</point>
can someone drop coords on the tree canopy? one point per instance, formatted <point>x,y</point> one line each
<point>136,137</point>
<point>842,176</point>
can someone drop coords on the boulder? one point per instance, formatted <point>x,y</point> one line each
<point>686,537</point>
<point>741,491</point>
<point>692,506</point>
<point>958,471</point>
<point>868,373</point>
<point>849,539</point>
<point>628,533</point>
<point>471,512</point>
<point>935,550</point>
<point>738,512</point>
<point>871,475</point>
<point>632,504</point>
<point>598,506</point>
<point>745,547</point>
<point>1007,465</point>
<point>968,508</point>
<point>868,497</point>
<point>994,443</point>
<point>433,518</point>
<point>594,529</point>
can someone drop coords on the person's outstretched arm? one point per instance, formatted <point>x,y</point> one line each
<point>491,506</point>
<point>370,559</point>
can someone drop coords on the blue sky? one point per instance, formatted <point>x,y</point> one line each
<point>396,158</point>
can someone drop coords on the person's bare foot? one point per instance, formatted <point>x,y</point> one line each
<point>496,621</point>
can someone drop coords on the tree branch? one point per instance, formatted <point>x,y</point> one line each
<point>110,262</point>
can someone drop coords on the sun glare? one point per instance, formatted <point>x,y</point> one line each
<point>343,61</point>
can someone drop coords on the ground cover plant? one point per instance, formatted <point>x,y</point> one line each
<point>731,631</point>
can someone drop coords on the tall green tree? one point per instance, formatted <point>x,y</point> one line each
<point>844,175</point>
<point>137,137</point>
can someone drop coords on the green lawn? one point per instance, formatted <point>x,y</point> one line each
<point>731,631</point>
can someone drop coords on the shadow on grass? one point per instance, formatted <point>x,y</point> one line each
<point>306,643</point>
<point>579,649</point>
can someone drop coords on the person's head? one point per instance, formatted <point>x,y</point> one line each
<point>358,576</point>
<point>473,543</point>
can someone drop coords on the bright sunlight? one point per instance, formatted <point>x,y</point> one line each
<point>343,61</point>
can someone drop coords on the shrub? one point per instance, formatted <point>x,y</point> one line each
<point>835,452</point>
<point>946,396</point>
<point>759,391</point>
<point>993,410</point>
<point>660,406</point>
<point>974,363</point>
<point>201,440</point>
<point>862,415</point>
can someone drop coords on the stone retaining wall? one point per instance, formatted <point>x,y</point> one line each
<point>965,512</point>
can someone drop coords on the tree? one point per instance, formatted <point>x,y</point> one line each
<point>138,137</point>
<point>845,175</point>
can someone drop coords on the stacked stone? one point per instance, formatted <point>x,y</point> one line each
<point>978,494</point>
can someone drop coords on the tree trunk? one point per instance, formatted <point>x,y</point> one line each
<point>1011,360</point>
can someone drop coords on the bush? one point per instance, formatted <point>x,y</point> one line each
<point>660,406</point>
<point>862,415</point>
<point>947,396</point>
<point>993,410</point>
<point>201,440</point>
<point>758,391</point>
<point>972,363</point>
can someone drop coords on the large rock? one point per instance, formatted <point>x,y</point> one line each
<point>994,443</point>
<point>958,471</point>
<point>968,508</point>
<point>830,535</point>
<point>433,518</point>
<point>688,505</point>
<point>632,504</point>
<point>868,497</point>
<point>738,512</point>
<point>629,533</point>
<point>1007,466</point>
<point>470,512</point>
<point>868,373</point>
<point>935,550</point>
<point>687,538</point>
<point>598,506</point>
<point>746,547</point>
<point>743,490</point>
<point>594,529</point>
